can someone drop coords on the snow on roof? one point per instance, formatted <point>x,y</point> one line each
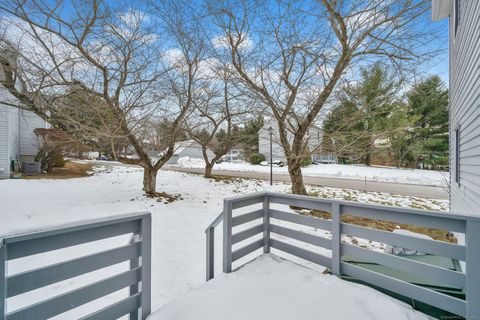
<point>177,149</point>
<point>273,288</point>
<point>182,145</point>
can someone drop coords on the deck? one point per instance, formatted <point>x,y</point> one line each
<point>273,288</point>
<point>253,226</point>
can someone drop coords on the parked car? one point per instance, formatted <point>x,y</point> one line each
<point>103,158</point>
<point>275,163</point>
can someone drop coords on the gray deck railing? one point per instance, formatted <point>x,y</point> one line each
<point>268,225</point>
<point>137,253</point>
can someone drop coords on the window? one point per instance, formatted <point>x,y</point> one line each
<point>457,155</point>
<point>457,15</point>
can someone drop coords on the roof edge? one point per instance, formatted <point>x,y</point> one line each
<point>441,9</point>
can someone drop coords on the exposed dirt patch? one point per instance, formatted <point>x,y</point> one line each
<point>165,197</point>
<point>69,171</point>
<point>228,179</point>
<point>440,235</point>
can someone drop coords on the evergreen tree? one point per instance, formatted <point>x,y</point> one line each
<point>428,101</point>
<point>360,118</point>
<point>248,136</point>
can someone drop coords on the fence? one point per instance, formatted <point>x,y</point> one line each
<point>469,252</point>
<point>137,278</point>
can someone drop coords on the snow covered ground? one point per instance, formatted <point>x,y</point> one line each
<point>385,174</point>
<point>178,244</point>
<point>273,288</point>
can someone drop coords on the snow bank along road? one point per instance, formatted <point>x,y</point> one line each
<point>408,189</point>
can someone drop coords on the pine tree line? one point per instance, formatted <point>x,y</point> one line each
<point>376,120</point>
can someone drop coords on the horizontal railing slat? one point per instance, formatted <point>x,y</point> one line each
<point>311,204</point>
<point>428,296</point>
<point>117,310</point>
<point>247,201</point>
<point>64,302</point>
<point>443,249</point>
<point>33,279</point>
<point>301,236</point>
<point>249,248</point>
<point>243,235</point>
<point>247,217</point>
<point>403,216</point>
<point>56,241</point>
<point>301,253</point>
<point>437,275</point>
<point>303,220</point>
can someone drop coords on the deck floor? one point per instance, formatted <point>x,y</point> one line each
<point>273,288</point>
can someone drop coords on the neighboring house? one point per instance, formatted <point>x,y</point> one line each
<point>18,142</point>
<point>315,135</point>
<point>188,148</point>
<point>236,154</point>
<point>464,104</point>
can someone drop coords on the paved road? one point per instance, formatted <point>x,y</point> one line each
<point>406,189</point>
<point>378,186</point>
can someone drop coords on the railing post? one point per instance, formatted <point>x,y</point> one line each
<point>472,247</point>
<point>336,239</point>
<point>227,236</point>
<point>146,237</point>
<point>266,224</point>
<point>3,274</point>
<point>134,263</point>
<point>210,237</point>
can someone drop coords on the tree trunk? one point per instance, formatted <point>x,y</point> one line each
<point>208,170</point>
<point>295,171</point>
<point>368,159</point>
<point>114,153</point>
<point>149,181</point>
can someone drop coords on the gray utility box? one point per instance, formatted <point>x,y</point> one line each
<point>32,167</point>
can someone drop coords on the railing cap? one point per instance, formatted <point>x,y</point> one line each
<point>215,222</point>
<point>74,226</point>
<point>429,213</point>
<point>246,196</point>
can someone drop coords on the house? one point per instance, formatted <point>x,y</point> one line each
<point>18,142</point>
<point>236,154</point>
<point>315,136</point>
<point>188,148</point>
<point>464,104</point>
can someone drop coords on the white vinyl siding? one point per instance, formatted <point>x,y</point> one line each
<point>4,148</point>
<point>9,139</point>
<point>13,133</point>
<point>16,132</point>
<point>28,140</point>
<point>465,108</point>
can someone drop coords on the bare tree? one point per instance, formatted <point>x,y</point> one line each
<point>214,124</point>
<point>198,79</point>
<point>109,52</point>
<point>292,54</point>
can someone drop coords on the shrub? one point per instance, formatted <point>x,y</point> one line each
<point>256,158</point>
<point>52,147</point>
<point>59,161</point>
<point>306,161</point>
